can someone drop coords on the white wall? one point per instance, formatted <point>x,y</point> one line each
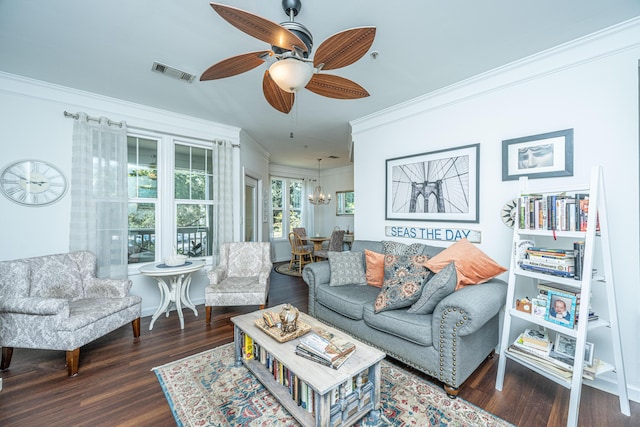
<point>254,161</point>
<point>332,180</point>
<point>590,85</point>
<point>32,125</point>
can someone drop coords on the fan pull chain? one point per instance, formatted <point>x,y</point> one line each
<point>294,118</point>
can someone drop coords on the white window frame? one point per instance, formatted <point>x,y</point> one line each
<point>166,203</point>
<point>286,228</point>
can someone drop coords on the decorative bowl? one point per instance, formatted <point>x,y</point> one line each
<point>175,260</point>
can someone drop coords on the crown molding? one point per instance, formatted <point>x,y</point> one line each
<point>609,41</point>
<point>137,116</point>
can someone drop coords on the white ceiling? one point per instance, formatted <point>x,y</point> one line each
<point>108,47</point>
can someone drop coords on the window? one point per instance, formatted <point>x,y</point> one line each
<point>170,184</point>
<point>142,183</point>
<point>287,206</point>
<point>193,187</point>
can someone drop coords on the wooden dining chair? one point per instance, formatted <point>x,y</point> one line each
<point>299,253</point>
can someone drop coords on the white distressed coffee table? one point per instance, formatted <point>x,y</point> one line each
<point>335,401</point>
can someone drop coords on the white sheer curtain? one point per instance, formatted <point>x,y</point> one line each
<point>310,211</point>
<point>99,193</point>
<point>222,226</point>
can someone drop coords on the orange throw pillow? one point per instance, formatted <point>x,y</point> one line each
<point>375,268</point>
<point>472,265</point>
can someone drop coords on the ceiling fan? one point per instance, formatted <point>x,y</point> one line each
<point>291,69</point>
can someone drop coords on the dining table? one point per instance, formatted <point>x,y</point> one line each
<point>317,242</point>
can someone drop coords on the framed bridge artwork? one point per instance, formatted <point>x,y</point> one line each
<point>439,185</point>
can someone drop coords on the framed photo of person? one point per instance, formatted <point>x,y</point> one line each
<point>566,346</point>
<point>538,156</point>
<point>562,309</point>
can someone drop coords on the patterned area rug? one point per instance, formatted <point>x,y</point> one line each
<point>283,268</point>
<point>208,390</point>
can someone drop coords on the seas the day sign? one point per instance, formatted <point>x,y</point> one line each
<point>427,233</point>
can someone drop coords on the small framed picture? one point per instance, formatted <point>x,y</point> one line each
<point>538,156</point>
<point>539,306</point>
<point>566,346</point>
<point>561,308</point>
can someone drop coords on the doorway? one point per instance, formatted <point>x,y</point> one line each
<point>250,209</point>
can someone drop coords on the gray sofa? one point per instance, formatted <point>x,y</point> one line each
<point>55,302</point>
<point>447,345</point>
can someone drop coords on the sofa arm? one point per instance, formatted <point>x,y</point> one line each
<point>107,288</point>
<point>469,308</point>
<point>35,306</point>
<point>315,274</point>
<point>217,275</point>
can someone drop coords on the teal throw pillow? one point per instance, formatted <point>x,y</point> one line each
<point>404,277</point>
<point>435,290</point>
<point>346,269</point>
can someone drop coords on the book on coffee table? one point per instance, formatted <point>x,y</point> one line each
<point>321,345</point>
<point>335,364</point>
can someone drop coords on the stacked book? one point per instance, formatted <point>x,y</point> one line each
<point>558,262</point>
<point>535,347</point>
<point>325,348</point>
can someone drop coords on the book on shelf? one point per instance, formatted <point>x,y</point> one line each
<point>578,250</point>
<point>535,338</point>
<point>546,270</point>
<point>560,266</point>
<point>248,347</point>
<point>554,362</point>
<point>562,212</point>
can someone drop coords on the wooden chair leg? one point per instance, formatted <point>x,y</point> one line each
<point>207,311</point>
<point>7,352</point>
<point>73,359</point>
<point>135,324</point>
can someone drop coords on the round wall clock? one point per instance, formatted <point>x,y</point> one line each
<point>32,183</point>
<point>508,213</point>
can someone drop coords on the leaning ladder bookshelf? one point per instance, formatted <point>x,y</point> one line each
<point>522,281</point>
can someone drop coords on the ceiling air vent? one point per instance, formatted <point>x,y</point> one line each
<point>172,72</point>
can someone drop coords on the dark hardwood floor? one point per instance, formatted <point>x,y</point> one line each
<point>116,387</point>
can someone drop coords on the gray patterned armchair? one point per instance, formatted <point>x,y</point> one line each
<point>55,302</point>
<point>241,277</point>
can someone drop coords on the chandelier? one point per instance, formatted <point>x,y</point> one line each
<point>319,197</point>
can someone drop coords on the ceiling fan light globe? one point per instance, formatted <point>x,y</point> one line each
<point>290,74</point>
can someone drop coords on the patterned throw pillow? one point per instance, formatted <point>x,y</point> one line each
<point>346,269</point>
<point>435,290</point>
<point>404,277</point>
<point>397,248</point>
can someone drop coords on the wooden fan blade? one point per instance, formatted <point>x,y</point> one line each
<point>336,87</point>
<point>234,65</point>
<point>344,48</point>
<point>276,97</point>
<point>260,28</point>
